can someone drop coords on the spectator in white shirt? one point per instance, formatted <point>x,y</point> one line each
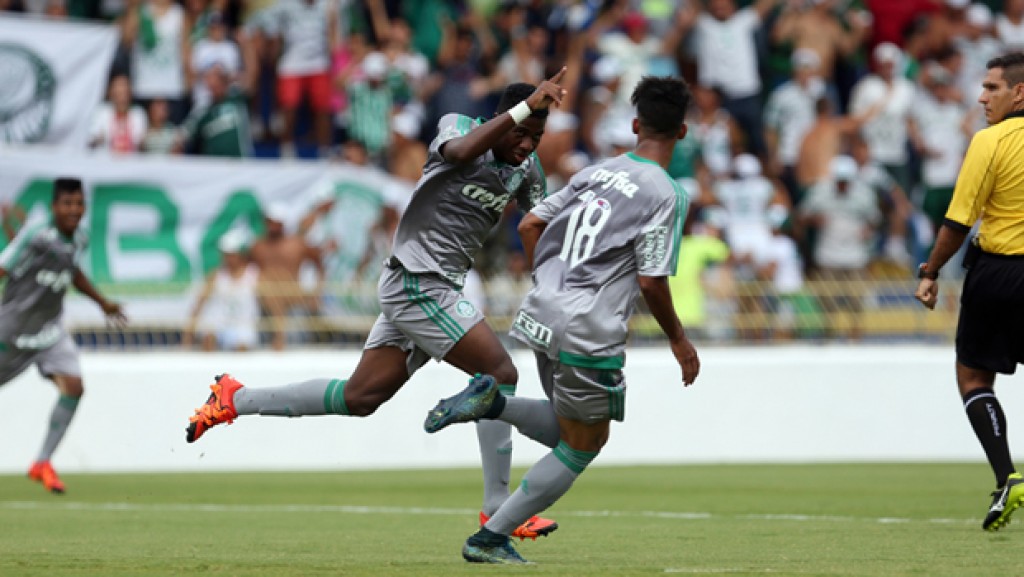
<point>942,128</point>
<point>727,59</point>
<point>161,136</point>
<point>845,212</point>
<point>307,32</point>
<point>215,49</point>
<point>117,125</point>
<point>1010,25</point>
<point>158,32</point>
<point>636,49</point>
<point>887,132</point>
<point>747,198</point>
<point>976,47</point>
<point>789,114</point>
<point>778,262</point>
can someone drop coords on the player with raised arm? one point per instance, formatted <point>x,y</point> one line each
<point>473,170</point>
<point>38,265</point>
<point>611,233</point>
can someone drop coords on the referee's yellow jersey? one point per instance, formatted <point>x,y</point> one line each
<point>991,187</point>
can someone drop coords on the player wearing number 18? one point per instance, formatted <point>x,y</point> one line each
<point>612,233</point>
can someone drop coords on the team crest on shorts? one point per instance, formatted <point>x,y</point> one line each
<point>465,308</point>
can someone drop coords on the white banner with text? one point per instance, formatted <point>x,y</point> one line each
<point>154,222</point>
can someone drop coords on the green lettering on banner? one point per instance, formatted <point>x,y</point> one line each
<point>241,204</point>
<point>163,239</point>
<point>38,192</point>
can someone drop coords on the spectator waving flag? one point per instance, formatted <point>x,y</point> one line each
<point>52,77</point>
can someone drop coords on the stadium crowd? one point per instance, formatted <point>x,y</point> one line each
<point>825,137</point>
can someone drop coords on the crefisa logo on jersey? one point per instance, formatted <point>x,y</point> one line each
<point>616,180</point>
<point>486,198</point>
<point>27,89</point>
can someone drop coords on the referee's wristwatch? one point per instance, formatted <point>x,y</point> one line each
<point>923,272</point>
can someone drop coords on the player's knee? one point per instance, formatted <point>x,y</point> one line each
<point>592,445</point>
<point>71,387</point>
<point>362,405</point>
<point>506,373</point>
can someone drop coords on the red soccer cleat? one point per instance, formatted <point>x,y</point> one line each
<point>43,472</point>
<point>219,408</point>
<point>533,527</point>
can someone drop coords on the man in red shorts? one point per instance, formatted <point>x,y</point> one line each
<point>305,32</point>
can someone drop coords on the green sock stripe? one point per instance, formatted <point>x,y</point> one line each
<point>68,402</point>
<point>328,392</point>
<point>430,308</point>
<point>334,398</point>
<point>507,390</point>
<point>575,460</point>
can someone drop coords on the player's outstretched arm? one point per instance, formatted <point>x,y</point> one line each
<point>110,308</point>
<point>659,300</point>
<point>470,146</point>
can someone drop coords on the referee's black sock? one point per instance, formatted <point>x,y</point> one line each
<point>989,423</point>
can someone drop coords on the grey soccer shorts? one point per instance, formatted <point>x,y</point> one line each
<point>583,394</point>
<point>422,314</point>
<point>59,359</point>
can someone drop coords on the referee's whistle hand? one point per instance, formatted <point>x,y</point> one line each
<point>927,293</point>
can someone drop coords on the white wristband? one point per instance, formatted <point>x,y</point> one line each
<point>520,112</point>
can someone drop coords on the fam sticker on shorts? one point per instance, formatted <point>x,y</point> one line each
<point>465,308</point>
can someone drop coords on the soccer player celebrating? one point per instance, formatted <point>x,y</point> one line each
<point>39,264</point>
<point>611,233</point>
<point>474,169</point>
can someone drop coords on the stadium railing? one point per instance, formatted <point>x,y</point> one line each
<point>877,310</point>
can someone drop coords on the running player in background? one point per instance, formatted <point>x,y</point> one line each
<point>613,232</point>
<point>39,264</point>
<point>473,170</point>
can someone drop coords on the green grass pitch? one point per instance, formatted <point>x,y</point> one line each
<point>833,519</point>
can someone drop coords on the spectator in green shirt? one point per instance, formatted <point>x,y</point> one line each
<point>220,128</point>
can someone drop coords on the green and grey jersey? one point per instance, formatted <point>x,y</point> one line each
<point>220,128</point>
<point>614,221</point>
<point>455,206</point>
<point>40,264</point>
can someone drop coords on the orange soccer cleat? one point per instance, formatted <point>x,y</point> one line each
<point>533,527</point>
<point>219,408</point>
<point>43,472</point>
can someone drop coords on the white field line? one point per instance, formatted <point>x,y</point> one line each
<point>376,510</point>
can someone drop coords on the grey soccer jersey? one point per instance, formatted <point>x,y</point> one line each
<point>614,221</point>
<point>455,206</point>
<point>40,264</point>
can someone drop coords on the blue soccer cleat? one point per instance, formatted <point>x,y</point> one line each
<point>472,403</point>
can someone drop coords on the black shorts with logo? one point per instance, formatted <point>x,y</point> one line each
<point>990,333</point>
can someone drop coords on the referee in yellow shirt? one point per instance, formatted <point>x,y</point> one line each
<point>990,332</point>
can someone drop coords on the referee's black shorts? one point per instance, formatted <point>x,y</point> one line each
<point>990,334</point>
